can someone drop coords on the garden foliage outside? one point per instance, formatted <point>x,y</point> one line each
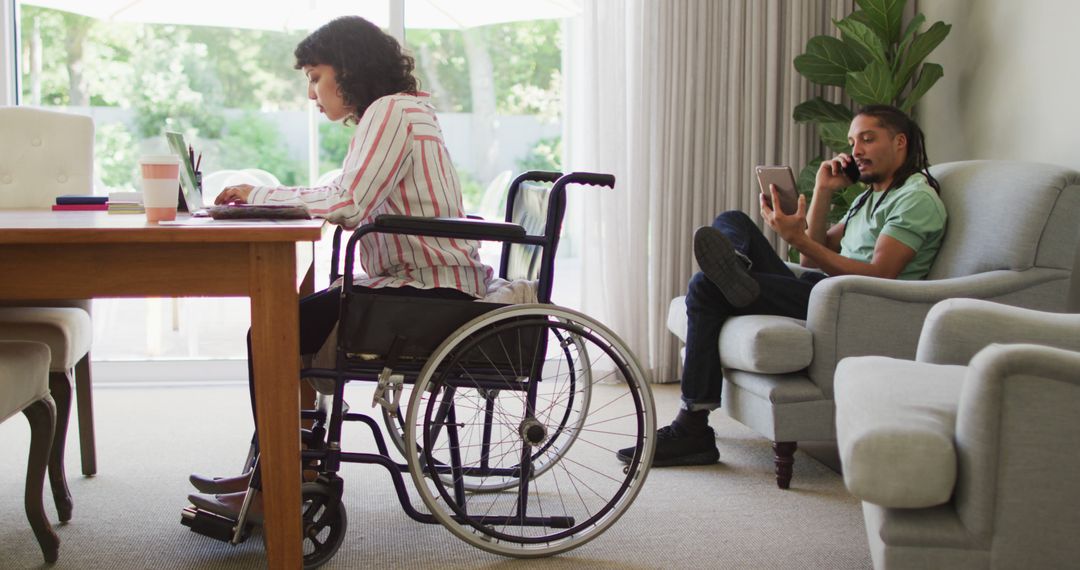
<point>221,87</point>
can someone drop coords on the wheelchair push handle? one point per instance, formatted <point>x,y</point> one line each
<point>587,179</point>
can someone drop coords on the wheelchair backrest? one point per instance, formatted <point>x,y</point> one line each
<point>537,204</point>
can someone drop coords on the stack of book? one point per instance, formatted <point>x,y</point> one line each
<point>126,203</point>
<point>80,203</point>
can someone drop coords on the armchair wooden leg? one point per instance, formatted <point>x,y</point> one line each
<point>85,402</point>
<point>41,415</point>
<point>785,459</point>
<point>60,387</point>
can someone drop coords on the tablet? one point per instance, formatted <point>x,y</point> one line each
<point>784,180</point>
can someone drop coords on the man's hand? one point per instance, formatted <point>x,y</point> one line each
<point>234,194</point>
<point>790,228</point>
<point>830,175</point>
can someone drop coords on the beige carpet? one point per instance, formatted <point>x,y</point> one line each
<point>730,515</point>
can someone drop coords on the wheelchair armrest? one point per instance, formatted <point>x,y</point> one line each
<point>463,228</point>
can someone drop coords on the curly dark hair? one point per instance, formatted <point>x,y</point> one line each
<point>368,62</point>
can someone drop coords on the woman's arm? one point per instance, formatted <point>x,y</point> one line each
<point>380,147</point>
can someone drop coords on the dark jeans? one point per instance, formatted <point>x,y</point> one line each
<point>782,293</point>
<point>319,313</point>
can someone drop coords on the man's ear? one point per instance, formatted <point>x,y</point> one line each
<point>900,140</point>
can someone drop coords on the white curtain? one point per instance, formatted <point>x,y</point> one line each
<point>679,99</point>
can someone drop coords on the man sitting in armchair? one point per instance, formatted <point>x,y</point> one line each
<point>893,230</point>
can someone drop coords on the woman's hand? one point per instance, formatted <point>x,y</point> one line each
<point>234,194</point>
<point>790,228</point>
<point>830,175</point>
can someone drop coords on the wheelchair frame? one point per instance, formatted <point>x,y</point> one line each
<point>466,372</point>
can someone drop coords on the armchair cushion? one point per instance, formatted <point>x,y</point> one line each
<point>755,343</point>
<point>895,426</point>
<point>766,344</point>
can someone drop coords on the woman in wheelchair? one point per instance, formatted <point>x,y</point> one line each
<point>506,414</point>
<point>397,163</point>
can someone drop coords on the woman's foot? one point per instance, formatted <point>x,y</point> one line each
<point>228,505</point>
<point>220,485</point>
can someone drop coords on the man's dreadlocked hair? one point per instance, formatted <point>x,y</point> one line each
<point>897,122</point>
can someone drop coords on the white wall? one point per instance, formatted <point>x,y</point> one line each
<point>1012,82</point>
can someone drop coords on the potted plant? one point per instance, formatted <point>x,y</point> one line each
<point>873,61</point>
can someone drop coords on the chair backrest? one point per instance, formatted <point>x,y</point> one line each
<point>44,154</point>
<point>1007,215</point>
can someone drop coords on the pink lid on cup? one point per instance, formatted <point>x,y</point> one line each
<point>160,166</point>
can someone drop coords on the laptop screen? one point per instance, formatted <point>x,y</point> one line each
<point>189,189</point>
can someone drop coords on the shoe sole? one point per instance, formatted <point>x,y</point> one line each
<point>702,458</point>
<point>716,257</point>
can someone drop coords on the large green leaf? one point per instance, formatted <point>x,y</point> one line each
<point>921,47</point>
<point>821,111</point>
<point>834,135</point>
<point>885,17</point>
<point>929,75</point>
<point>872,85</point>
<point>861,35</point>
<point>808,176</point>
<point>828,60</point>
<point>909,33</point>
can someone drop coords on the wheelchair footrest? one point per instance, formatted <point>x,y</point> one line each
<point>208,524</point>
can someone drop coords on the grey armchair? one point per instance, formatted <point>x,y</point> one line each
<point>1011,237</point>
<point>961,458</point>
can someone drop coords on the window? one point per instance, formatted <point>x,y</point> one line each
<point>226,81</point>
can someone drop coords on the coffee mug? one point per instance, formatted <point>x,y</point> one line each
<point>160,180</point>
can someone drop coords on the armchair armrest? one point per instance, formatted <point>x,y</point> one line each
<point>1016,408</point>
<point>957,329</point>
<point>853,315</point>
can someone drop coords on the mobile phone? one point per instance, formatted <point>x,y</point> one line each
<point>784,180</point>
<point>851,170</point>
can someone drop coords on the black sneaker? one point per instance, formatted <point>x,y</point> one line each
<point>725,266</point>
<point>677,447</point>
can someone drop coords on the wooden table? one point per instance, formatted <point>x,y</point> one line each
<point>80,255</point>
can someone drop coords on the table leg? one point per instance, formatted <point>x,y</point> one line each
<point>275,346</point>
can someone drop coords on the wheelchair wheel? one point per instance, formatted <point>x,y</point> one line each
<point>324,523</point>
<point>544,456</point>
<point>530,402</point>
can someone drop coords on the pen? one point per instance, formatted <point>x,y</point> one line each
<point>198,161</point>
<point>191,155</point>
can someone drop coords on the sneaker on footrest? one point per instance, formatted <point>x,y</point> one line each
<point>228,505</point>
<point>220,485</point>
<point>675,446</point>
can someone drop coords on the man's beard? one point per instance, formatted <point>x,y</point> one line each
<point>871,178</point>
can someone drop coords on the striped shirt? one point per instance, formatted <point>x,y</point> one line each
<point>397,164</point>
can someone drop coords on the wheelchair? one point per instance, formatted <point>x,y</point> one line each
<point>508,417</point>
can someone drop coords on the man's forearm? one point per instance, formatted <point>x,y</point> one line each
<point>817,224</point>
<point>829,261</point>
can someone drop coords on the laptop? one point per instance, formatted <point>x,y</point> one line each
<point>190,193</point>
